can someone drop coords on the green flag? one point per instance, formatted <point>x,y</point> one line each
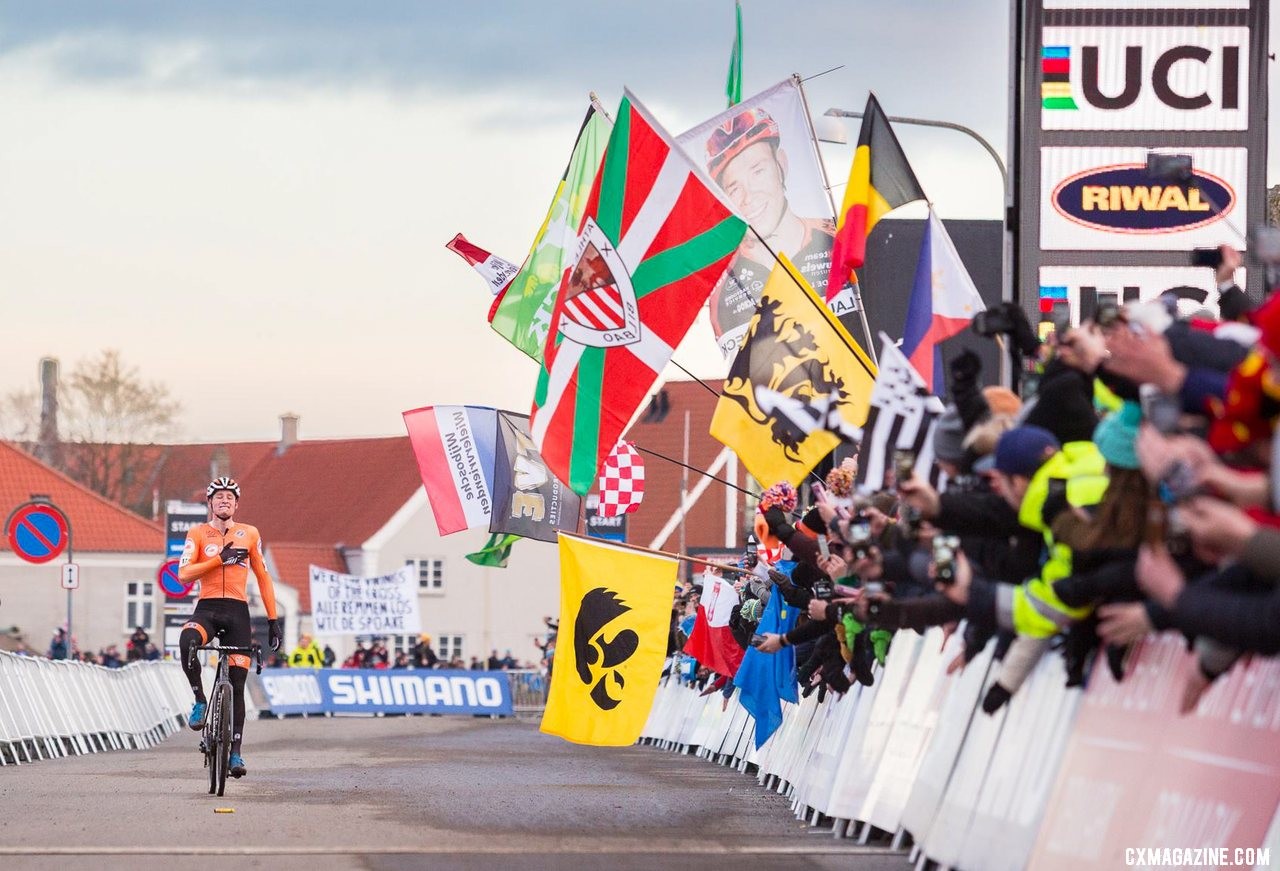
<point>522,315</point>
<point>733,85</point>
<point>496,551</point>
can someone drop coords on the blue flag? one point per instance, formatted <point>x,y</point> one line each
<point>765,679</point>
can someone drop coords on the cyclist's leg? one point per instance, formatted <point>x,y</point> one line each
<point>195,632</point>
<point>239,633</point>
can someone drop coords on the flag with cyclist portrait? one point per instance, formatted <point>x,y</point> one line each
<point>763,155</point>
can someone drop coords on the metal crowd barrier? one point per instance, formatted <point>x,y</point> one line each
<point>52,708</point>
<point>528,690</point>
<point>914,753</point>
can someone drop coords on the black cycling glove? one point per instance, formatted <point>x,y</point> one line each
<point>274,635</point>
<point>232,555</point>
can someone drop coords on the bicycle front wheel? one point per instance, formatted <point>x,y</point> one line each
<point>223,727</point>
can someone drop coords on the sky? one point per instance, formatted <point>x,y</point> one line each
<point>250,201</point>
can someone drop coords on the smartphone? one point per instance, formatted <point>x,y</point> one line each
<point>1210,257</point>
<point>1061,318</point>
<point>1163,410</point>
<point>823,547</point>
<point>757,639</point>
<point>1108,314</point>
<point>904,465</point>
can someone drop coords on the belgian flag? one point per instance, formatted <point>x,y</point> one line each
<point>881,180</point>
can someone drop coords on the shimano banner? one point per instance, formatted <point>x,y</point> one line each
<point>379,691</point>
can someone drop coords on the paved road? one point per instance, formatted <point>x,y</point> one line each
<point>401,793</point>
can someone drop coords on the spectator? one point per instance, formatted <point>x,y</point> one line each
<point>58,646</point>
<point>423,655</point>
<point>402,661</point>
<point>476,664</point>
<point>329,657</point>
<point>507,661</point>
<point>307,654</point>
<point>136,649</point>
<point>493,663</point>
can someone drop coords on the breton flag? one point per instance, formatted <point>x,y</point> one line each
<point>880,180</point>
<point>943,301</point>
<point>656,236</point>
<point>711,642</point>
<point>496,272</point>
<point>902,418</point>
<point>615,610</point>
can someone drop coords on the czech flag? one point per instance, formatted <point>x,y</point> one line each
<point>943,302</point>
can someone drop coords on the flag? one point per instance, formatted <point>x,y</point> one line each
<point>765,680</point>
<point>654,239</point>
<point>615,610</point>
<point>798,387</point>
<point>943,302</point>
<point>711,642</point>
<point>522,315</point>
<point>455,447</point>
<point>528,501</point>
<point>733,84</point>
<point>621,482</point>
<point>496,272</point>
<point>879,181</point>
<point>496,551</point>
<point>902,417</point>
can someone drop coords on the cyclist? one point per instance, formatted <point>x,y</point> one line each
<point>220,555</point>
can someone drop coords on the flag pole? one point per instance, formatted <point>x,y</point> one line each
<point>691,468</point>
<point>653,552</point>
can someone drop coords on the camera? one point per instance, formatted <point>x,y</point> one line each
<point>904,466</point>
<point>945,548</point>
<point>1162,409</point>
<point>1209,257</point>
<point>992,322</point>
<point>859,537</point>
<point>824,589</point>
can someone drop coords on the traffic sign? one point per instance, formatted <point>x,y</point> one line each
<point>37,532</point>
<point>70,576</point>
<point>173,587</point>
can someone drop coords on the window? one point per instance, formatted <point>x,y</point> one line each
<point>139,603</point>
<point>448,646</point>
<point>402,644</point>
<point>430,573</point>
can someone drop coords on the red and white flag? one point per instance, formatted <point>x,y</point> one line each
<point>711,642</point>
<point>621,483</point>
<point>496,272</point>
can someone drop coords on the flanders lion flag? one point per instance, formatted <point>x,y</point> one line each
<point>615,607</point>
<point>799,386</point>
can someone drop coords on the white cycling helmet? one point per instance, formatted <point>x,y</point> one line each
<point>223,483</point>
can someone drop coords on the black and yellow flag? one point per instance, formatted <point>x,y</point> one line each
<point>799,386</point>
<point>615,610</point>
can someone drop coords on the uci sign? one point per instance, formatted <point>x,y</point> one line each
<point>1125,199</point>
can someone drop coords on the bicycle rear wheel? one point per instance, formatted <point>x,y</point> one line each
<point>223,693</point>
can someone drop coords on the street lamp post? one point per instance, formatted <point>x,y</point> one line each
<point>838,136</point>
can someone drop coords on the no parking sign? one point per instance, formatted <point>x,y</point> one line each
<point>38,532</point>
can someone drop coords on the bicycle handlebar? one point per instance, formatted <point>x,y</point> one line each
<point>254,651</point>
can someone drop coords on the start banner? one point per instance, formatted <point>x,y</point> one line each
<point>383,691</point>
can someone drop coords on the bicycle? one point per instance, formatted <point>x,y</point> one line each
<point>215,740</point>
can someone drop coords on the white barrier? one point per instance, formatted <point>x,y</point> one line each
<point>52,708</point>
<point>916,754</point>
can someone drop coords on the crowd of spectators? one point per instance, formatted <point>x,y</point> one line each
<point>1128,490</point>
<point>374,653</point>
<point>137,647</point>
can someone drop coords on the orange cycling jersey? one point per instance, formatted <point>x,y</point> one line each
<point>202,561</point>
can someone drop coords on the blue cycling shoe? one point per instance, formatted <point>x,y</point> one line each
<point>238,768</point>
<point>198,712</point>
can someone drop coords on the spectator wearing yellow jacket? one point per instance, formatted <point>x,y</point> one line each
<point>307,654</point>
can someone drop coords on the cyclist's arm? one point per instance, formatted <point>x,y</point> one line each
<point>265,587</point>
<point>189,572</point>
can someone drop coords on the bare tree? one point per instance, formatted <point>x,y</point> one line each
<point>109,416</point>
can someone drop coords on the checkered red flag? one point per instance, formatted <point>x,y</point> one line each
<point>621,481</point>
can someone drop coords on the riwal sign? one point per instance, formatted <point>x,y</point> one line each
<point>1102,198</point>
<point>382,691</point>
<point>1145,78</point>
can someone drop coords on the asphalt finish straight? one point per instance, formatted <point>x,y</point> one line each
<point>407,792</point>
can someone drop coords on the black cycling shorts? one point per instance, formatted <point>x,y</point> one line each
<point>226,620</point>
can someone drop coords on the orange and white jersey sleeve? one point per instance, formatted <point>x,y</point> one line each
<point>265,585</point>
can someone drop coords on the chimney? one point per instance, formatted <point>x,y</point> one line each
<point>47,445</point>
<point>288,432</point>
<point>220,463</point>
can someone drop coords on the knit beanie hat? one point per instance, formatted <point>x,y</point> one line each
<point>948,436</point>
<point>1115,436</point>
<point>1021,451</point>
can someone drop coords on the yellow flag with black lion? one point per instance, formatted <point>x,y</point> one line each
<point>800,385</point>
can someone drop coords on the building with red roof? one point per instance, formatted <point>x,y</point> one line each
<point>118,553</point>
